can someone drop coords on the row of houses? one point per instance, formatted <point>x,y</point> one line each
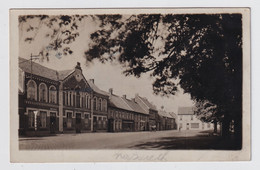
<point>52,101</point>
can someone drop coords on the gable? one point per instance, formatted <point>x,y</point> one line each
<point>76,80</point>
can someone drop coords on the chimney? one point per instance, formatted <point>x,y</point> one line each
<point>111,91</point>
<point>124,96</point>
<point>78,66</point>
<point>92,81</point>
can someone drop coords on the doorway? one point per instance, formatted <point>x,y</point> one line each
<point>52,122</point>
<point>78,122</point>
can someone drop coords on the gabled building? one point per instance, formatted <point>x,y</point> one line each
<point>125,114</point>
<point>167,121</point>
<point>53,101</point>
<point>150,109</point>
<point>187,120</point>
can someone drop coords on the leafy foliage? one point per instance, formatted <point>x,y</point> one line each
<point>61,31</point>
<point>203,52</point>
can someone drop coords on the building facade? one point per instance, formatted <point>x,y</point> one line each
<point>187,120</point>
<point>53,101</point>
<point>125,115</point>
<point>150,109</point>
<point>167,121</point>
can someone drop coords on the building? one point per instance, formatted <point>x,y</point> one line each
<point>150,109</point>
<point>53,101</point>
<point>187,120</point>
<point>167,121</point>
<point>125,114</point>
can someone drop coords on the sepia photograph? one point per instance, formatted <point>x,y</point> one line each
<point>135,84</point>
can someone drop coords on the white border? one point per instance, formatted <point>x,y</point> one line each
<point>4,28</point>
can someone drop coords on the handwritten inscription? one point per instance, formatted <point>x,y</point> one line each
<point>141,157</point>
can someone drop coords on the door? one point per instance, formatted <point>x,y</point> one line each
<point>94,123</point>
<point>110,125</point>
<point>52,122</point>
<point>78,122</point>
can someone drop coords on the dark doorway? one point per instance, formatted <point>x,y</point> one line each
<point>52,122</point>
<point>110,125</point>
<point>78,122</point>
<point>94,123</point>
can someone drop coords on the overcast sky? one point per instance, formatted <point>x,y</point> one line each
<point>106,76</point>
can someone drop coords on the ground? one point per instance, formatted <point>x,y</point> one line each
<point>172,139</point>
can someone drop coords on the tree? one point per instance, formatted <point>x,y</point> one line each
<point>59,30</point>
<point>203,52</point>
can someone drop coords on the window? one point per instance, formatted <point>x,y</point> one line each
<point>69,120</point>
<point>100,104</point>
<point>31,90</point>
<point>43,115</point>
<point>180,117</point>
<point>86,116</point>
<point>31,118</point>
<point>43,92</point>
<point>77,103</point>
<point>194,125</point>
<point>104,105</point>
<point>95,103</point>
<point>191,118</point>
<point>53,95</point>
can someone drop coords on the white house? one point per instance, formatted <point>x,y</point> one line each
<point>187,120</point>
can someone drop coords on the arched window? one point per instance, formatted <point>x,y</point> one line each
<point>31,90</point>
<point>104,105</point>
<point>95,103</point>
<point>53,94</point>
<point>100,104</point>
<point>43,92</point>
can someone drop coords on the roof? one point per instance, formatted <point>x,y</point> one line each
<point>185,111</point>
<point>39,70</point>
<point>64,73</point>
<point>134,105</point>
<point>164,114</point>
<point>173,114</point>
<point>147,103</point>
<point>96,89</point>
<point>116,101</point>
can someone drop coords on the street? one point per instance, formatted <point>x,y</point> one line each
<point>172,139</point>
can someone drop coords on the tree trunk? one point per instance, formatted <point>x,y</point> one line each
<point>225,127</point>
<point>238,132</point>
<point>215,126</point>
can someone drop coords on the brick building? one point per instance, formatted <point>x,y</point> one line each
<point>53,101</point>
<point>150,109</point>
<point>125,114</point>
<point>167,121</point>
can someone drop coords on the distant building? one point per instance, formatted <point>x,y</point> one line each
<point>150,109</point>
<point>187,120</point>
<point>125,114</point>
<point>167,121</point>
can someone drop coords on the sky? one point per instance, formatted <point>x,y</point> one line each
<point>108,75</point>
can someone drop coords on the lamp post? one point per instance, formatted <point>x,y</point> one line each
<point>35,121</point>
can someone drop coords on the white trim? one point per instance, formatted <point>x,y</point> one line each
<point>55,112</point>
<point>66,113</point>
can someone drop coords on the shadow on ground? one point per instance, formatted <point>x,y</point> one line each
<point>202,141</point>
